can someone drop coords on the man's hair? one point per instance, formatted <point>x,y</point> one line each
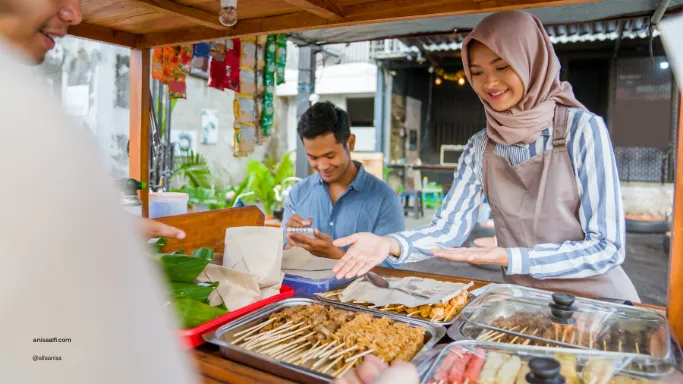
<point>323,118</point>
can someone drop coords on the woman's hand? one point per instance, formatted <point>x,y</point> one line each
<point>366,252</point>
<point>496,255</point>
<point>375,371</point>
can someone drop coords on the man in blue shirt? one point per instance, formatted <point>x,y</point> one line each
<point>341,198</point>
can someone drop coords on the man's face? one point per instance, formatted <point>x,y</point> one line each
<point>328,157</point>
<point>33,25</point>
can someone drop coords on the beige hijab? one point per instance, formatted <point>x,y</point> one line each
<point>520,39</point>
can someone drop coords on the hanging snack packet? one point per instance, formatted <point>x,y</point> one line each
<point>158,64</point>
<point>177,88</point>
<point>232,64</point>
<point>245,109</point>
<point>248,81</point>
<point>248,53</point>
<point>281,57</point>
<point>217,49</point>
<point>269,79</point>
<point>244,140</point>
<point>202,50</point>
<point>217,74</point>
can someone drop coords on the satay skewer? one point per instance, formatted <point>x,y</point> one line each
<point>343,370</point>
<point>326,355</point>
<point>347,350</point>
<point>254,328</point>
<point>273,332</point>
<point>280,347</point>
<point>517,337</point>
<point>358,356</point>
<point>291,351</point>
<point>332,364</point>
<point>280,338</point>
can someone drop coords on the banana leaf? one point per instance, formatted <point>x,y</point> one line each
<point>181,268</point>
<point>199,292</point>
<point>155,245</point>
<point>203,253</point>
<point>181,251</point>
<point>193,313</point>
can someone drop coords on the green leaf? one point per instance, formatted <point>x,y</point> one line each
<point>199,292</point>
<point>182,269</point>
<point>156,245</point>
<point>203,253</point>
<point>181,251</point>
<point>193,313</point>
<point>222,306</point>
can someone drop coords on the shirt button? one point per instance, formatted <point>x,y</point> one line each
<point>331,223</point>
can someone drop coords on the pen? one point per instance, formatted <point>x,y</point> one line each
<point>292,209</point>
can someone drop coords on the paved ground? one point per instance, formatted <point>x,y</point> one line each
<point>646,263</point>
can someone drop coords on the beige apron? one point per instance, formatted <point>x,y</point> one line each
<point>537,202</point>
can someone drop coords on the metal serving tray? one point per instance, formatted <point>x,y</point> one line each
<point>292,372</point>
<point>470,298</point>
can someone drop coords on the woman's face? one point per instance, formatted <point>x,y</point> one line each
<point>493,79</point>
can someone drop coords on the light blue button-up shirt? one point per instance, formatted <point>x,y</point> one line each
<point>369,205</point>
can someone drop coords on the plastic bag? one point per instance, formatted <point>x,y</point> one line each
<point>248,53</point>
<point>247,81</point>
<point>244,140</point>
<point>245,109</point>
<point>269,79</point>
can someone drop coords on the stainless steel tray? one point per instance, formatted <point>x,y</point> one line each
<point>470,298</point>
<point>292,372</point>
<point>663,367</point>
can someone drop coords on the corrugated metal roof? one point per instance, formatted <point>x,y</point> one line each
<point>559,34</point>
<point>563,14</point>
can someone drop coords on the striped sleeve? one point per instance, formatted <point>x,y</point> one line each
<point>456,217</point>
<point>601,212</point>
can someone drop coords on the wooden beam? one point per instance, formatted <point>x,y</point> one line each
<point>140,77</point>
<point>327,9</point>
<point>358,14</point>
<point>105,35</point>
<point>196,15</point>
<point>675,302</point>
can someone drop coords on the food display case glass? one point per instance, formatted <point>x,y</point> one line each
<point>475,362</point>
<point>518,315</point>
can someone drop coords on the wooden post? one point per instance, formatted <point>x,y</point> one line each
<point>140,77</point>
<point>675,304</point>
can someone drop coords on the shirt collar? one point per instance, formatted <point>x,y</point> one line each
<point>357,183</point>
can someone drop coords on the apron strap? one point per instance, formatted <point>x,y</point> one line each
<point>560,126</point>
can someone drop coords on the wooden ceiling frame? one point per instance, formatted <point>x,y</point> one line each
<point>327,9</point>
<point>198,16</point>
<point>359,14</point>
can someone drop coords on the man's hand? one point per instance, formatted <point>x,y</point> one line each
<point>296,221</point>
<point>496,256</point>
<point>375,371</point>
<point>367,251</point>
<point>320,246</point>
<point>153,228</point>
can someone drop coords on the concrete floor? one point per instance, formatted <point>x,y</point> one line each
<point>646,264</point>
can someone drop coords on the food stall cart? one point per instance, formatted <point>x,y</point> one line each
<point>144,24</point>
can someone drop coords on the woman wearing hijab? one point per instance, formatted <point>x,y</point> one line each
<point>544,163</point>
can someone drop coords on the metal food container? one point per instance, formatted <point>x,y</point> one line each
<point>320,297</point>
<point>433,333</point>
<point>473,361</point>
<point>515,314</point>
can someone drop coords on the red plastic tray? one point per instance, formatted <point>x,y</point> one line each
<point>192,338</point>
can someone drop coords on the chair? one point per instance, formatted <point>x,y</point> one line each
<point>417,208</point>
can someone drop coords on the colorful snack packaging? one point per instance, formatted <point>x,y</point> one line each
<point>281,57</point>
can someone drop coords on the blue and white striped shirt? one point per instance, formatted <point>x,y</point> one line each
<point>601,212</point>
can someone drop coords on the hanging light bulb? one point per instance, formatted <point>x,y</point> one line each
<point>461,81</point>
<point>228,15</point>
<point>437,81</point>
